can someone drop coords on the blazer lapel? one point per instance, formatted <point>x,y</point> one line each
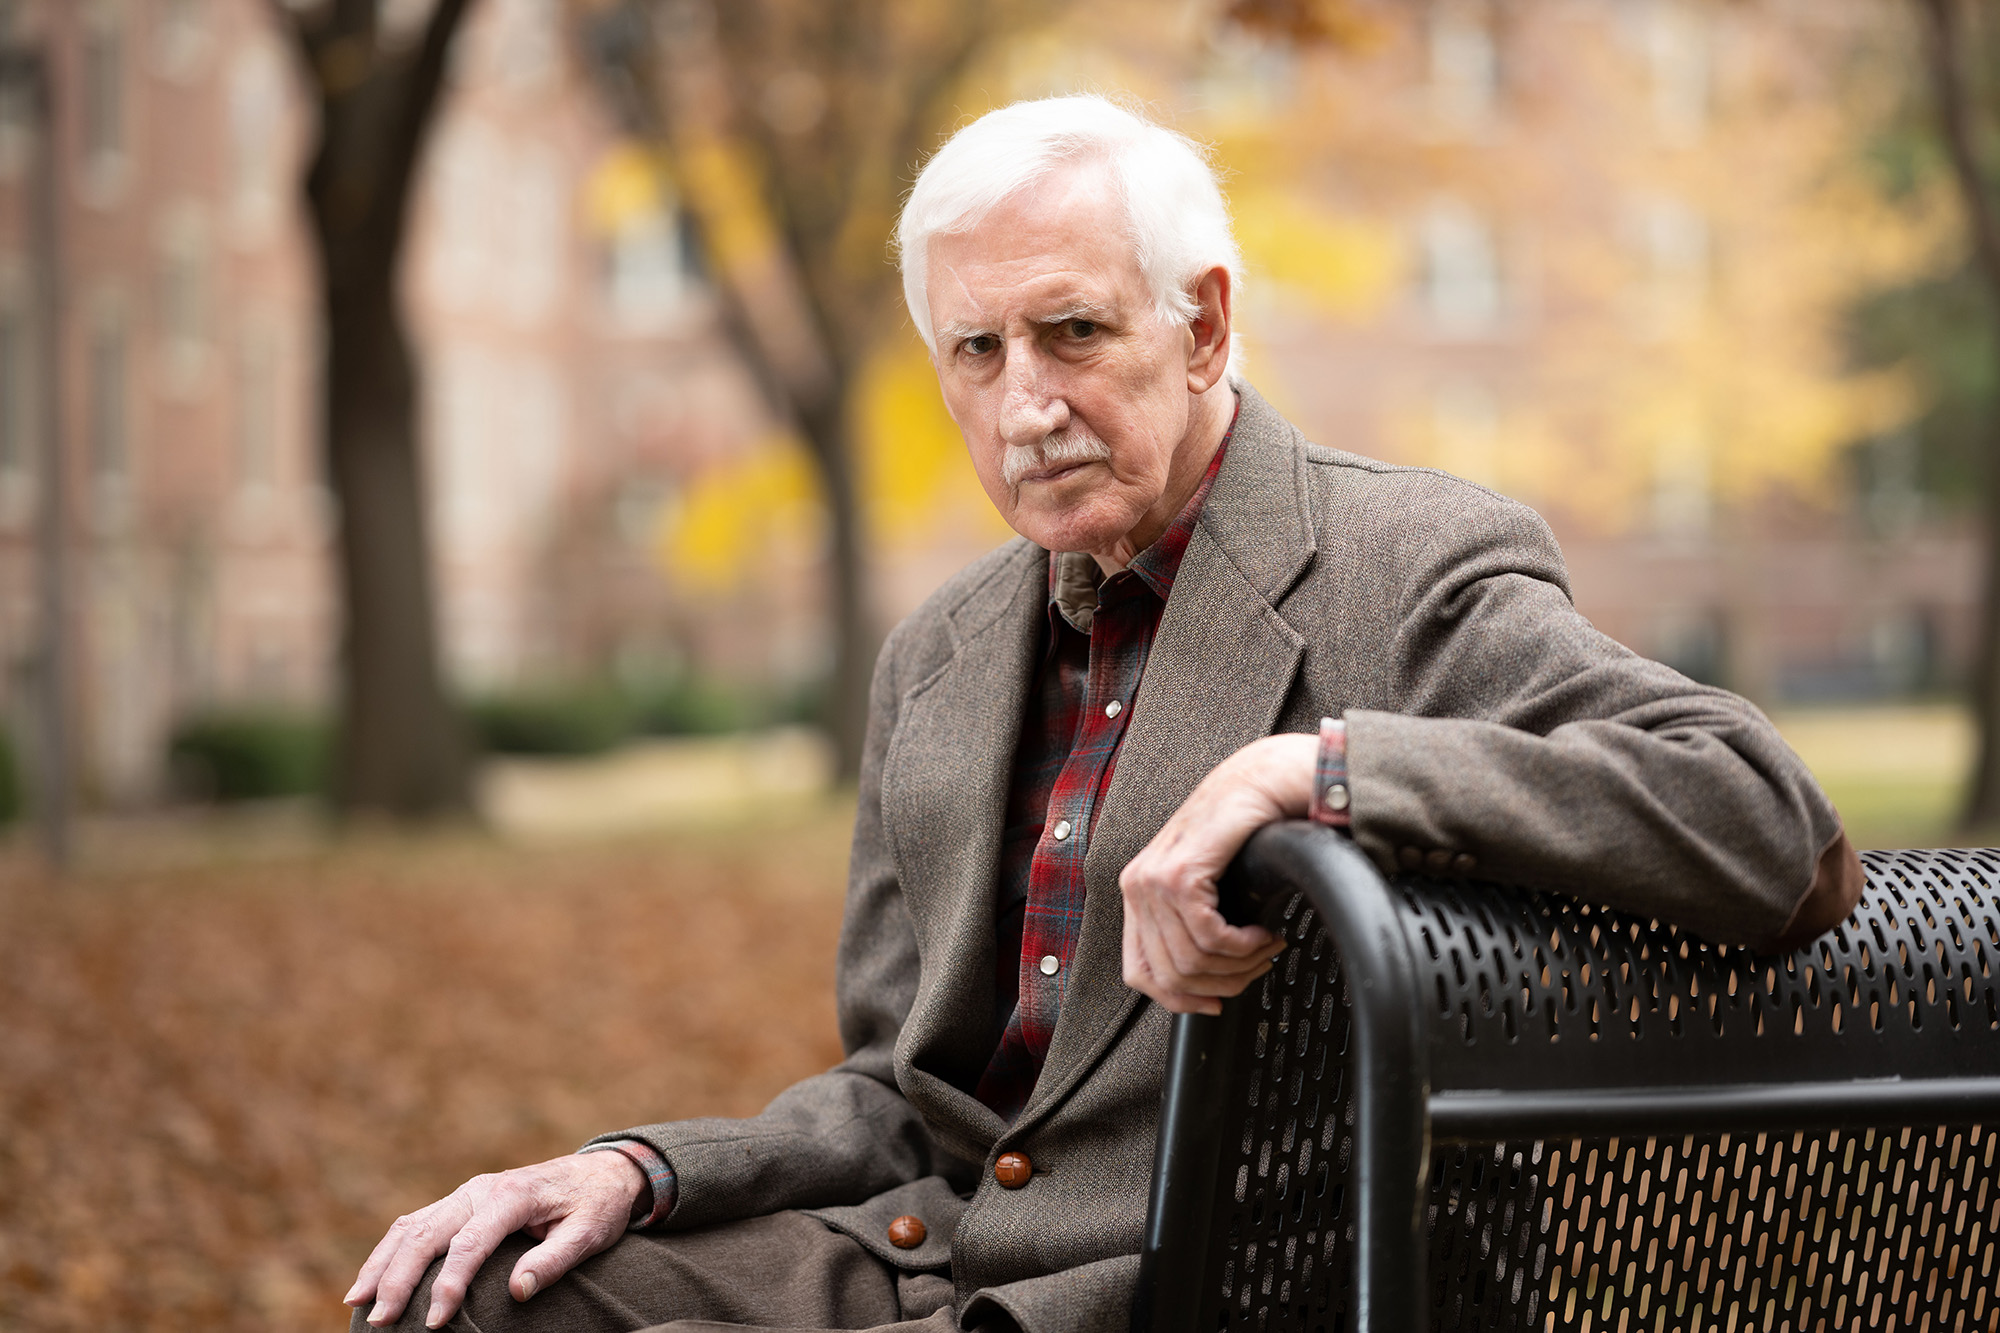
<point>945,783</point>
<point>1218,674</point>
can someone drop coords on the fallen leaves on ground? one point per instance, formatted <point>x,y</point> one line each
<point>220,1083</point>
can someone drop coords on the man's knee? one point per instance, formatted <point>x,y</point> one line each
<point>488,1305</point>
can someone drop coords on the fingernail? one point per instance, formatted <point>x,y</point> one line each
<point>528,1285</point>
<point>380,1314</point>
<point>353,1296</point>
<point>434,1318</point>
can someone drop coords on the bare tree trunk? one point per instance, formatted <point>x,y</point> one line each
<point>402,749</point>
<point>800,310</point>
<point>1954,109</point>
<point>845,712</point>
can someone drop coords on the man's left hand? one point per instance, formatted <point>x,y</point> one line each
<point>1178,948</point>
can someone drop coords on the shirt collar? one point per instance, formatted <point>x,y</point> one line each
<point>1074,576</point>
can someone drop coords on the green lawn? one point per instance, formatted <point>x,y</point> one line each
<point>1897,774</point>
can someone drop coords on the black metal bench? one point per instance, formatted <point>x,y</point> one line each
<point>1462,1106</point>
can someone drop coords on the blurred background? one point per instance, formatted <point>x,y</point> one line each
<point>458,459</point>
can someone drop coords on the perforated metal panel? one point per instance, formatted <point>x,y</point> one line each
<point>1581,997</point>
<point>1288,1147</point>
<point>1886,1228</point>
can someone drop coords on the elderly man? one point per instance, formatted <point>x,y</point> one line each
<point>1208,624</point>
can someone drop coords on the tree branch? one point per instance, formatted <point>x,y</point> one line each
<point>1955,118</point>
<point>422,81</point>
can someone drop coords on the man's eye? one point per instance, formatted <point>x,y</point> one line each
<point>981,344</point>
<point>1080,328</point>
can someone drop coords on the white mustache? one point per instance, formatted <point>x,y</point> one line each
<point>1063,449</point>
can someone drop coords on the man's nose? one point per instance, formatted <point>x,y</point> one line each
<point>1031,404</point>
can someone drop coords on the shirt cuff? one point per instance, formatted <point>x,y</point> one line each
<point>1332,801</point>
<point>659,1176</point>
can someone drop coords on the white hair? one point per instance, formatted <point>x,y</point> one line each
<point>1175,214</point>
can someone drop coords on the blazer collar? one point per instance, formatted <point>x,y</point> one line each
<point>1218,674</point>
<point>944,802</point>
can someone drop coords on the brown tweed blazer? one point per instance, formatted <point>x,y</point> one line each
<point>1484,715</point>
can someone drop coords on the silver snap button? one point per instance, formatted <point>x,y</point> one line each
<point>1113,709</point>
<point>1050,964</point>
<point>1061,830</point>
<point>1336,796</point>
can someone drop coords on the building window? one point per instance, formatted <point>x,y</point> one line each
<point>1461,272</point>
<point>109,423</point>
<point>1683,497</point>
<point>1464,68</point>
<point>183,37</point>
<point>1676,41</point>
<point>1672,241</point>
<point>646,265</point>
<point>17,443</point>
<point>256,129</point>
<point>15,446</point>
<point>184,300</point>
<point>16,127</point>
<point>257,413</point>
<point>103,92</point>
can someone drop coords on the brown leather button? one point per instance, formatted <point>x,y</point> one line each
<point>1464,863</point>
<point>1013,1170</point>
<point>1412,858</point>
<point>906,1232</point>
<point>1437,861</point>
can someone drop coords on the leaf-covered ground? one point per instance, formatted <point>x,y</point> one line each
<point>219,1082</point>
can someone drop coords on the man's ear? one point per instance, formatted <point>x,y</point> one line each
<point>1211,329</point>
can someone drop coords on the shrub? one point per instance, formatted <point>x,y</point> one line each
<point>692,707</point>
<point>249,754</point>
<point>591,718</point>
<point>586,720</point>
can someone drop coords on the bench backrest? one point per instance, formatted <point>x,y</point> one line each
<point>1470,1107</point>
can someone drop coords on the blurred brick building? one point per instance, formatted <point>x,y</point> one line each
<point>1583,190</point>
<point>568,378</point>
<point>575,385</point>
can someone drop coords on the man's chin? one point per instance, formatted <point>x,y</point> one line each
<point>1072,528</point>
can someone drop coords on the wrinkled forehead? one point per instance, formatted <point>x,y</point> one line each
<point>1060,242</point>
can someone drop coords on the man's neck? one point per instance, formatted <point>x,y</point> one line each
<point>1208,421</point>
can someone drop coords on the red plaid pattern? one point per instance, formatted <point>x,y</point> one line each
<point>1078,709</point>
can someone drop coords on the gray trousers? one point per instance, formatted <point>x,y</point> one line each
<point>784,1271</point>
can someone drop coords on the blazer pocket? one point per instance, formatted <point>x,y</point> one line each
<point>933,1205</point>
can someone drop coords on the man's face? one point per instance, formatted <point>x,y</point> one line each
<point>1073,395</point>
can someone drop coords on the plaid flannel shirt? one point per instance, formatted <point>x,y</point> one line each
<point>1079,707</point>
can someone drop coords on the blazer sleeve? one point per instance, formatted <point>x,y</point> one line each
<point>846,1135</point>
<point>1560,759</point>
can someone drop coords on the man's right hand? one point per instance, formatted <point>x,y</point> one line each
<point>575,1205</point>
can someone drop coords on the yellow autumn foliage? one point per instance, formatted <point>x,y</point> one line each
<point>915,477</point>
<point>738,519</point>
<point>1342,266</point>
<point>626,185</point>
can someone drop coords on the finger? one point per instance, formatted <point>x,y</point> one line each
<point>1206,997</point>
<point>1160,963</point>
<point>510,1207</point>
<point>1214,936</point>
<point>1187,956</point>
<point>368,1283</point>
<point>570,1241</point>
<point>363,1289</point>
<point>1223,988</point>
<point>470,1248</point>
<point>428,1235</point>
